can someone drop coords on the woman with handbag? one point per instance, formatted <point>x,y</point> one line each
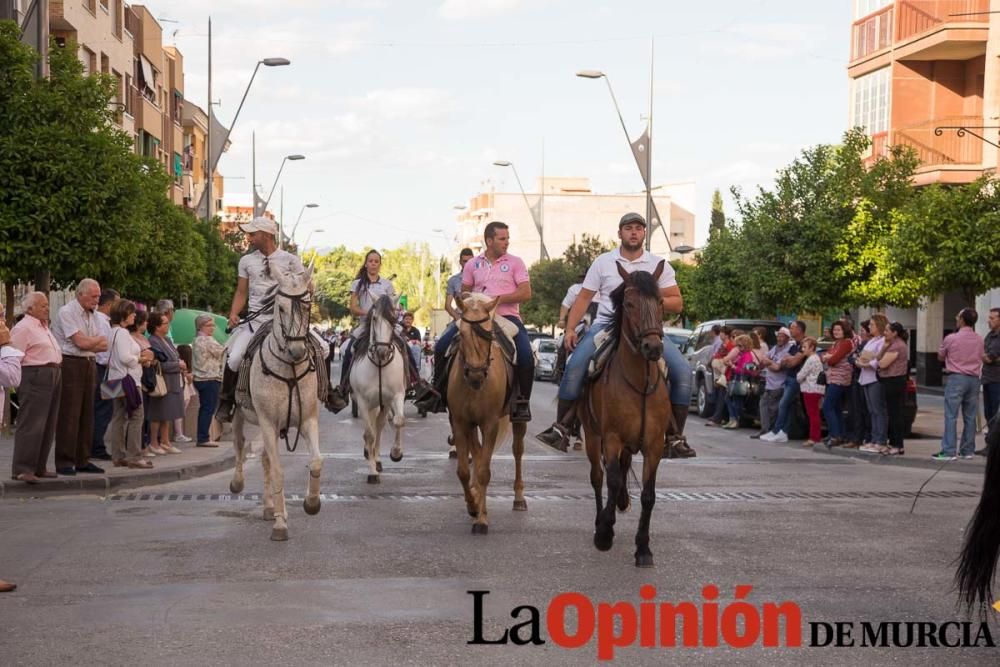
<point>165,409</point>
<point>207,371</point>
<point>812,390</point>
<point>738,379</point>
<point>839,377</point>
<point>121,384</point>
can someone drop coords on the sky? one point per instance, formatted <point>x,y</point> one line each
<point>401,106</point>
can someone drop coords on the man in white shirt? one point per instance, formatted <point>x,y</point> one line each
<point>601,280</point>
<point>257,275</point>
<point>102,407</point>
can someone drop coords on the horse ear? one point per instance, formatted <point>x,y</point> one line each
<point>659,270</point>
<point>623,273</point>
<point>460,301</point>
<point>490,306</point>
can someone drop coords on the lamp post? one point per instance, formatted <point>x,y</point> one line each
<point>536,216</point>
<point>213,154</point>
<point>281,223</point>
<point>291,236</point>
<point>642,148</point>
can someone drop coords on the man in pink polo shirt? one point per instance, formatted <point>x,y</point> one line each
<point>504,276</point>
<point>962,354</point>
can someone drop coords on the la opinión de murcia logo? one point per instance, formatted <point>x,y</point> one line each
<point>573,621</point>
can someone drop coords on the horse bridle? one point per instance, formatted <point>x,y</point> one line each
<point>298,302</point>
<point>292,383</point>
<point>477,328</point>
<point>651,330</point>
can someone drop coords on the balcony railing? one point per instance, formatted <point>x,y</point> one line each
<point>879,149</point>
<point>872,33</point>
<point>947,149</point>
<point>918,16</point>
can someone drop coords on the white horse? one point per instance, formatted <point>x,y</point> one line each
<point>378,381</point>
<point>283,392</point>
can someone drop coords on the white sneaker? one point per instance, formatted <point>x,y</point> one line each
<point>767,437</point>
<point>780,436</point>
<point>182,439</point>
<point>871,448</point>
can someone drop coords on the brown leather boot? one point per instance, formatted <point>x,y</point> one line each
<point>676,444</point>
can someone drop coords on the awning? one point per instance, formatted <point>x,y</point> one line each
<point>148,78</point>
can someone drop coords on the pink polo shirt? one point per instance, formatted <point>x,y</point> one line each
<point>962,352</point>
<point>496,279</point>
<point>36,341</point>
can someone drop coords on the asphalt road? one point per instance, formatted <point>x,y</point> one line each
<point>184,574</point>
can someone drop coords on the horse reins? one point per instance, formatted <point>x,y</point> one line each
<point>372,353</point>
<point>291,382</point>
<point>485,334</point>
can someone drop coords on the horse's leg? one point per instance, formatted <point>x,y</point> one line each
<point>267,500</point>
<point>624,501</point>
<point>280,531</point>
<point>380,420</point>
<point>461,438</point>
<point>311,504</point>
<point>519,431</point>
<point>368,414</point>
<point>483,474</point>
<point>237,483</point>
<point>650,462</point>
<point>398,422</point>
<point>593,443</point>
<point>605,534</point>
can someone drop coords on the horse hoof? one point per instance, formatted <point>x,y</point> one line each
<point>373,479</point>
<point>268,514</point>
<point>577,446</point>
<point>624,506</point>
<point>279,534</point>
<point>236,487</point>
<point>480,529</point>
<point>644,560</point>
<point>603,542</point>
<point>396,459</point>
<point>311,505</point>
<point>520,505</point>
<point>452,454</point>
<point>378,466</point>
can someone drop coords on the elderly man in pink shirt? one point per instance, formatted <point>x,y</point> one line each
<point>39,390</point>
<point>962,354</point>
<point>505,276</point>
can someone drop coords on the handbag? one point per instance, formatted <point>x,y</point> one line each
<point>111,389</point>
<point>821,379</point>
<point>159,389</point>
<point>739,386</point>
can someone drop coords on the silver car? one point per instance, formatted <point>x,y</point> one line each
<point>545,351</point>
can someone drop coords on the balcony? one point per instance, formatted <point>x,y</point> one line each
<point>947,152</point>
<point>872,33</point>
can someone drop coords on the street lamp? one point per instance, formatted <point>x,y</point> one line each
<point>643,146</point>
<point>535,215</point>
<point>213,154</point>
<point>281,226</point>
<point>683,249</point>
<point>296,225</point>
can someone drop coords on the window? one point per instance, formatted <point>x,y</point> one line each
<point>863,8</point>
<point>870,101</point>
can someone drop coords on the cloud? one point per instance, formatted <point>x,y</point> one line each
<point>461,10</point>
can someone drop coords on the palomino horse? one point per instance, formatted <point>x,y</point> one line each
<point>283,395</point>
<point>478,406</point>
<point>378,379</point>
<point>977,564</point>
<point>627,409</point>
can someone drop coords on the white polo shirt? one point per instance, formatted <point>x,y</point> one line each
<point>602,278</point>
<point>261,273</point>
<point>571,294</point>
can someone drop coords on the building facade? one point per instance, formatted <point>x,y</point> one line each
<point>568,209</point>
<point>919,70</point>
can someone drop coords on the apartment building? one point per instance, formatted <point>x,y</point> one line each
<point>920,70</point>
<point>195,157</point>
<point>568,210</point>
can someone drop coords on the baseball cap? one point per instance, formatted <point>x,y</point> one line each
<point>630,218</point>
<point>785,332</point>
<point>260,224</point>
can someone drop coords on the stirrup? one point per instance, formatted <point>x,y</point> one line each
<point>521,412</point>
<point>336,400</point>
<point>224,413</point>
<point>556,436</point>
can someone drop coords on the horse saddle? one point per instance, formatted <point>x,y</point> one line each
<point>606,343</point>
<point>243,389</point>
<point>504,332</point>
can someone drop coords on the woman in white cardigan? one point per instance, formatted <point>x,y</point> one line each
<point>812,390</point>
<point>124,435</point>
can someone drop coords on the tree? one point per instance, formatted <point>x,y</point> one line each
<point>333,275</point>
<point>550,278</point>
<point>948,239</point>
<point>718,223</point>
<point>718,286</point>
<point>579,256</point>
<point>684,274</point>
<point>71,183</point>
<point>221,263</point>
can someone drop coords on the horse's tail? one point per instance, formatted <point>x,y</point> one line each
<point>978,562</point>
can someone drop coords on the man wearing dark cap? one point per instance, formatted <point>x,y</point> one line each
<point>601,280</point>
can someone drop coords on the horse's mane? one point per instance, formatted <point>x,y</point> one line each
<point>642,281</point>
<point>384,308</point>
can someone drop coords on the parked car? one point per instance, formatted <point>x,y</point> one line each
<point>678,336</point>
<point>546,351</point>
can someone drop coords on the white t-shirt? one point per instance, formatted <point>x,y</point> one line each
<point>253,268</point>
<point>602,278</point>
<point>123,356</point>
<point>368,297</point>
<point>571,294</point>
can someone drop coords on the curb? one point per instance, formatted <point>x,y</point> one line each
<point>103,484</point>
<point>958,465</point>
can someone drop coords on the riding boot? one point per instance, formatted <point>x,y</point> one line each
<point>338,397</point>
<point>227,395</point>
<point>677,446</point>
<point>557,435</point>
<point>521,412</point>
<point>433,397</point>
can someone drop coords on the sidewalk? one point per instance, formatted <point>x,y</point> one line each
<point>193,462</point>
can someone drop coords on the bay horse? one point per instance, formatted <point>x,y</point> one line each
<point>977,563</point>
<point>283,396</point>
<point>378,381</point>
<point>627,409</point>
<point>478,406</point>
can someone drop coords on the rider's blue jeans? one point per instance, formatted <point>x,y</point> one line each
<point>678,369</point>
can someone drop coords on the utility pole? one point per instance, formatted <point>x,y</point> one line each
<point>208,147</point>
<point>649,160</point>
